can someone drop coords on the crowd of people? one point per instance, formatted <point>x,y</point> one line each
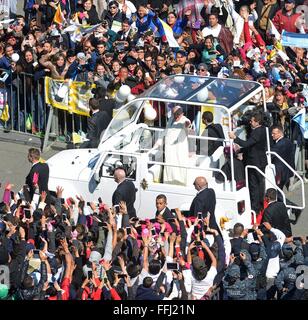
<point>53,248</point>
<point>69,249</point>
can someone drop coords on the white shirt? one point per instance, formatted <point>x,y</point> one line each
<point>213,31</point>
<point>145,274</point>
<point>200,288</point>
<point>130,8</point>
<point>273,266</point>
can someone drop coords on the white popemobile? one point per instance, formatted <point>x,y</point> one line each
<point>133,140</point>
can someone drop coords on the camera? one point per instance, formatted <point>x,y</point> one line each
<point>105,23</point>
<point>245,119</point>
<point>172,266</point>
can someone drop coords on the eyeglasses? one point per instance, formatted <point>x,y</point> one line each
<point>113,7</point>
<point>201,70</point>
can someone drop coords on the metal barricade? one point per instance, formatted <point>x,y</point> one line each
<point>24,96</point>
<point>28,112</point>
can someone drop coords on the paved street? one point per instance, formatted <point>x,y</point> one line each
<point>15,166</point>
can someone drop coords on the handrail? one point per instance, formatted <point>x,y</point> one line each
<point>167,164</point>
<point>191,136</point>
<point>263,174</point>
<point>295,173</point>
<point>189,167</point>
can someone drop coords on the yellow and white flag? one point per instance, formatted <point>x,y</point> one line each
<point>169,35</point>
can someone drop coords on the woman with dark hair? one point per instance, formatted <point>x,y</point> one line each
<point>102,78</point>
<point>88,14</point>
<point>281,105</point>
<point>211,50</point>
<point>139,75</point>
<point>115,67</point>
<point>57,65</point>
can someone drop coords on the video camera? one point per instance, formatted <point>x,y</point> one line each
<point>246,117</point>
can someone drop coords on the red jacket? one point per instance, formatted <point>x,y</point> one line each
<point>284,22</point>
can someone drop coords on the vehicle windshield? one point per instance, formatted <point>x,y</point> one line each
<point>123,118</point>
<point>215,91</point>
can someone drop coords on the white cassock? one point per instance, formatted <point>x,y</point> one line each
<point>176,151</point>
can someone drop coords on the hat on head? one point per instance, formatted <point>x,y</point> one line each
<point>254,250</point>
<point>81,56</point>
<point>289,1</point>
<point>287,250</point>
<point>224,72</point>
<point>29,246</point>
<point>4,290</point>
<point>131,60</point>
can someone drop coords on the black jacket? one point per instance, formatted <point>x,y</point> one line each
<point>286,149</point>
<point>166,215</point>
<point>148,294</point>
<point>119,17</point>
<point>29,294</point>
<point>93,16</point>
<point>255,148</point>
<point>18,256</point>
<point>125,191</point>
<point>205,201</point>
<point>96,125</point>
<point>208,147</point>
<point>43,171</point>
<point>239,172</point>
<point>277,216</point>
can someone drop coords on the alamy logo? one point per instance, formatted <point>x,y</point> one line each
<point>5,275</point>
<point>302,279</point>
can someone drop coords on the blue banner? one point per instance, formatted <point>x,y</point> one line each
<point>291,39</point>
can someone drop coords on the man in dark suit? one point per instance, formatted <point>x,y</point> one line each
<point>286,150</point>
<point>125,34</point>
<point>212,130</point>
<point>97,123</point>
<point>39,173</point>
<point>255,155</point>
<point>125,191</point>
<point>276,213</point>
<point>162,209</point>
<point>204,201</point>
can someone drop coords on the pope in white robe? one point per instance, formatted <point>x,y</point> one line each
<point>176,147</point>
